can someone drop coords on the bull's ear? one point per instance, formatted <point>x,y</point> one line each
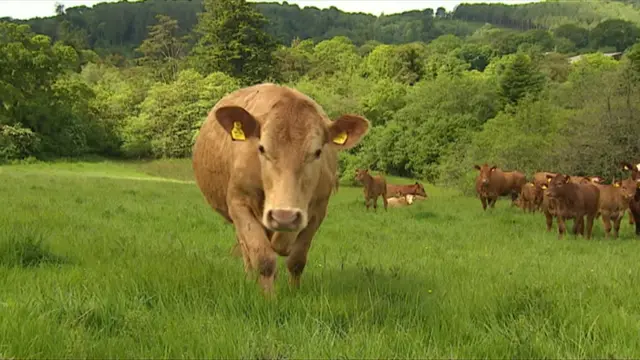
<point>347,131</point>
<point>477,167</point>
<point>617,183</point>
<point>238,122</point>
<point>549,177</point>
<point>493,168</point>
<point>626,166</point>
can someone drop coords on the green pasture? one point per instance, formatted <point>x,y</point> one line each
<point>103,259</point>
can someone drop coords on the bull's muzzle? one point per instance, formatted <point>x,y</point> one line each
<point>284,219</point>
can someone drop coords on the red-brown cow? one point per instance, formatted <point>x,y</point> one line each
<point>573,201</point>
<point>374,186</point>
<point>492,182</point>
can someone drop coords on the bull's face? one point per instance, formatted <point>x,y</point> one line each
<point>627,188</point>
<point>419,189</point>
<point>635,170</point>
<point>361,174</point>
<point>409,199</point>
<point>485,173</point>
<point>555,184</point>
<point>293,146</point>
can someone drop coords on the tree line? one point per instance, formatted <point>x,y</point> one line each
<point>437,107</point>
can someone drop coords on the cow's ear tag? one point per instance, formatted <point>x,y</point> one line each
<point>616,185</point>
<point>341,138</point>
<point>544,186</point>
<point>236,132</point>
<point>626,168</point>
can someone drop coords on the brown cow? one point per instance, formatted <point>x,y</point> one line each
<point>528,196</point>
<point>400,201</point>
<point>492,182</point>
<point>542,202</point>
<point>374,186</point>
<point>635,175</point>
<point>266,160</point>
<point>414,189</point>
<point>614,201</point>
<point>634,207</point>
<point>573,201</point>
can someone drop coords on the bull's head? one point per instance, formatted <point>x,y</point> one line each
<point>485,173</point>
<point>635,170</point>
<point>419,189</point>
<point>627,187</point>
<point>293,144</point>
<point>361,174</point>
<point>555,183</point>
<point>409,199</point>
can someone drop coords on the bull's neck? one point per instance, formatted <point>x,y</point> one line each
<point>367,179</point>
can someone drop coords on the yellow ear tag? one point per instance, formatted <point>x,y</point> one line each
<point>341,138</point>
<point>626,168</point>
<point>616,185</point>
<point>236,132</point>
<point>544,186</point>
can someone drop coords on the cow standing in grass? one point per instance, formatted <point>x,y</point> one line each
<point>492,182</point>
<point>614,201</point>
<point>266,160</point>
<point>573,201</point>
<point>374,186</point>
<point>635,176</point>
<point>528,196</point>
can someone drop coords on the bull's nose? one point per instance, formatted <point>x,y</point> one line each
<point>285,217</point>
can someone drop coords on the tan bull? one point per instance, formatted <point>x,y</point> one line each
<point>266,160</point>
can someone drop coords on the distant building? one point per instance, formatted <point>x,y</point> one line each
<point>615,55</point>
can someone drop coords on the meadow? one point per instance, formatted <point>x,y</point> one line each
<point>125,259</point>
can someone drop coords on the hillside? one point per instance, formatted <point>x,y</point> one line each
<point>121,27</point>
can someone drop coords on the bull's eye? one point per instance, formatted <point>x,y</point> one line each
<point>317,153</point>
<point>261,149</point>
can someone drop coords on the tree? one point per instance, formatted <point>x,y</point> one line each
<point>577,34</point>
<point>233,40</point>
<point>519,78</point>
<point>162,50</point>
<point>616,33</point>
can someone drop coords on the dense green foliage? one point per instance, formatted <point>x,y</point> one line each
<point>489,95</point>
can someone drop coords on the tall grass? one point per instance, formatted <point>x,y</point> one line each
<point>112,266</point>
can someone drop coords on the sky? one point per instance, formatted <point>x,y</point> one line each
<point>24,9</point>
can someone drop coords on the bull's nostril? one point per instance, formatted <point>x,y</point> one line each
<point>284,217</point>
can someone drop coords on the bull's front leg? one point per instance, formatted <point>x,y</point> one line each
<point>257,248</point>
<point>483,200</point>
<point>549,220</point>
<point>297,259</point>
<point>561,227</point>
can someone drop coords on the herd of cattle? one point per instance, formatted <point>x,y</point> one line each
<point>266,160</point>
<point>566,197</point>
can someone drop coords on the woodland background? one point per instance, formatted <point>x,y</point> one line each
<point>443,90</point>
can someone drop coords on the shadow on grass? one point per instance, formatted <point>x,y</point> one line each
<point>27,249</point>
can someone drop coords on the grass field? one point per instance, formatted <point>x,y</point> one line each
<point>107,259</point>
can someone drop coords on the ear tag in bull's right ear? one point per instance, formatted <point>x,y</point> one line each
<point>341,138</point>
<point>544,186</point>
<point>616,185</point>
<point>236,132</point>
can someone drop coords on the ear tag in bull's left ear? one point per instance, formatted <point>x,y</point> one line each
<point>544,186</point>
<point>341,138</point>
<point>236,132</point>
<point>616,185</point>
